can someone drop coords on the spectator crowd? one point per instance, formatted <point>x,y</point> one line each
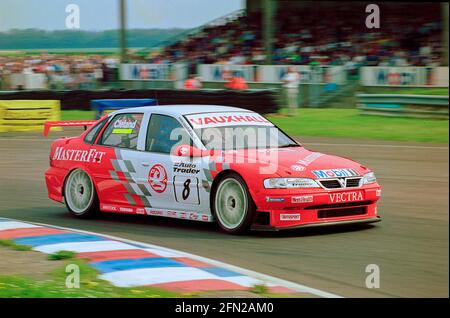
<point>59,71</point>
<point>409,35</point>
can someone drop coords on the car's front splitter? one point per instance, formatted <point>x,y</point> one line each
<point>259,227</point>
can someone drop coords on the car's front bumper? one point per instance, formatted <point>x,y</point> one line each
<point>287,209</point>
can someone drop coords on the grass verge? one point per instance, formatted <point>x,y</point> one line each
<point>43,282</point>
<point>14,246</point>
<point>342,123</point>
<point>90,286</point>
<point>61,255</point>
<point>77,115</point>
<point>349,123</point>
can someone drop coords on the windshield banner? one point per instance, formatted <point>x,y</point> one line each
<point>209,120</point>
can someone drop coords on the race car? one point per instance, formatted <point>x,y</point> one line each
<point>206,163</point>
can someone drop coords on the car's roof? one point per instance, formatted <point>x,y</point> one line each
<point>176,110</point>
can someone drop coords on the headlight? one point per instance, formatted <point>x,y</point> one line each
<point>285,183</point>
<point>369,178</point>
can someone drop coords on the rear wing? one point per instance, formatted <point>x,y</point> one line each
<point>67,123</point>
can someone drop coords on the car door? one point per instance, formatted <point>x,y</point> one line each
<point>118,176</point>
<point>174,180</point>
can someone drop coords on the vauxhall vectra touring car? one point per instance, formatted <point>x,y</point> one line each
<point>206,163</point>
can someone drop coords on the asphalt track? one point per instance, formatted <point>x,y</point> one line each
<point>410,245</point>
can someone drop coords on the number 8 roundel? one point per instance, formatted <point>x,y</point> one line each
<point>157,178</point>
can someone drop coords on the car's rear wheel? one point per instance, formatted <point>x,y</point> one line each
<point>233,206</point>
<point>79,194</point>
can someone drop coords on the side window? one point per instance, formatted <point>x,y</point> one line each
<point>123,131</point>
<point>92,134</point>
<point>159,134</point>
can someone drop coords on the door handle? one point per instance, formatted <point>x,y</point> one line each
<point>145,164</point>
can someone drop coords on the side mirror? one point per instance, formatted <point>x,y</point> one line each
<point>186,151</point>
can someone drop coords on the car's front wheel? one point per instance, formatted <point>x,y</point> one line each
<point>233,206</point>
<point>79,194</point>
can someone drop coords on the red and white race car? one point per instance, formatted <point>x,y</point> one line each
<point>206,163</point>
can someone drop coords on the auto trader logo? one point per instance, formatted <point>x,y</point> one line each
<point>157,178</point>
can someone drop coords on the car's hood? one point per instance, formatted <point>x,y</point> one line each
<point>295,162</point>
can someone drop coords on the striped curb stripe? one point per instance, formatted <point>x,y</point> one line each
<point>126,263</point>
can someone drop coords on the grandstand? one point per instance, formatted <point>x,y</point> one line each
<point>330,33</point>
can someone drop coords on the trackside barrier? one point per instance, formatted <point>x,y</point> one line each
<point>27,115</point>
<point>259,100</point>
<point>399,105</point>
<point>404,76</point>
<point>105,106</point>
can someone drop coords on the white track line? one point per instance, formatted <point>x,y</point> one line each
<point>294,286</point>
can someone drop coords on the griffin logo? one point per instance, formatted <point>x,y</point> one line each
<point>157,178</point>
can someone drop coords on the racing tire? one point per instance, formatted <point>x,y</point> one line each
<point>80,196</point>
<point>232,204</point>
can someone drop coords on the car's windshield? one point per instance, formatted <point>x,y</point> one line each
<point>238,130</point>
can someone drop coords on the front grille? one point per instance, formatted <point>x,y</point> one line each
<point>335,213</point>
<point>331,184</point>
<point>336,184</point>
<point>352,182</point>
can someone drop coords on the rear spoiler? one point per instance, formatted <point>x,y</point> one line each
<point>67,123</point>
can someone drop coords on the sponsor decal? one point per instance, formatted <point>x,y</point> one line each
<point>309,158</point>
<point>121,209</point>
<point>124,126</point>
<point>156,212</point>
<point>157,177</point>
<point>140,211</point>
<point>107,207</point>
<point>227,119</point>
<point>126,210</point>
<point>290,217</point>
<point>91,155</point>
<point>125,123</point>
<point>297,168</point>
<point>398,76</point>
<point>302,199</point>
<point>346,197</point>
<point>189,168</point>
<point>171,214</point>
<point>270,199</point>
<point>335,173</point>
<point>193,216</point>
